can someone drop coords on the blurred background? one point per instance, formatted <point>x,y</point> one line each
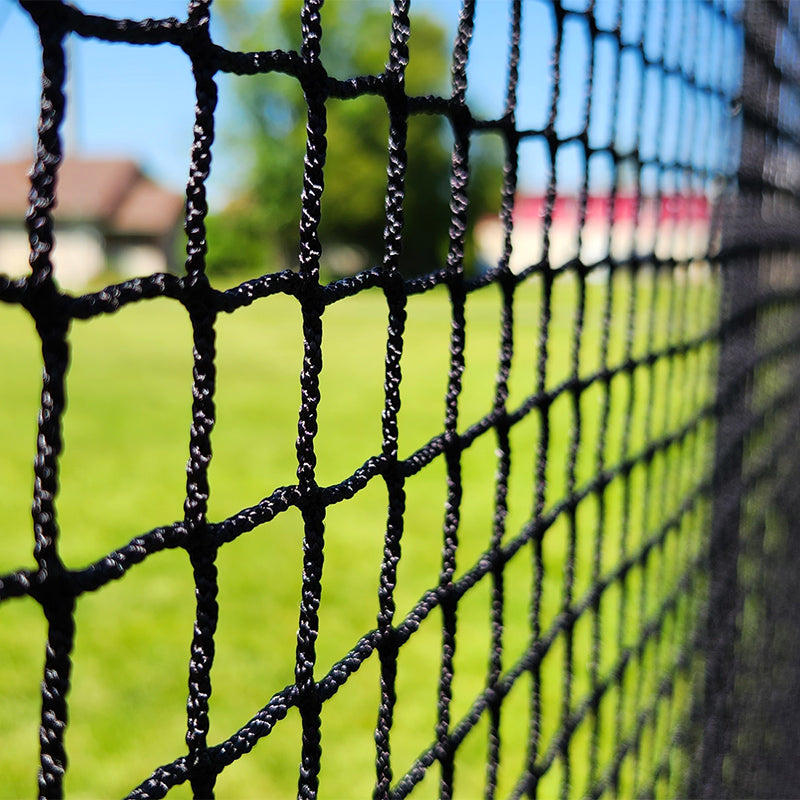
<point>128,133</point>
<point>627,119</point>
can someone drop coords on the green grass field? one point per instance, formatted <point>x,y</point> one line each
<point>123,473</point>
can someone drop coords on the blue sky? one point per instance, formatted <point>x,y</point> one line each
<point>138,101</point>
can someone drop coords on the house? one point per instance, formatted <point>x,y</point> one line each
<point>669,225</point>
<point>108,216</point>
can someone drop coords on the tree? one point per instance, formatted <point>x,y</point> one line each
<point>261,224</point>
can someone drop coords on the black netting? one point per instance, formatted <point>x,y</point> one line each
<point>660,328</point>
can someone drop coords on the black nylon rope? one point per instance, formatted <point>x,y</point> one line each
<point>652,598</point>
<point>393,476</point>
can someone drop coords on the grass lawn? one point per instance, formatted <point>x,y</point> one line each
<point>123,473</point>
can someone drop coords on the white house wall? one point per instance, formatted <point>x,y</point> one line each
<point>130,260</point>
<point>78,256</point>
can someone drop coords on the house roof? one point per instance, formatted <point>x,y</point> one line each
<point>112,193</point>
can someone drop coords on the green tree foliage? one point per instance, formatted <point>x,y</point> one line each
<point>259,229</point>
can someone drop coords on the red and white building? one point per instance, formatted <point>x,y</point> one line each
<point>671,226</point>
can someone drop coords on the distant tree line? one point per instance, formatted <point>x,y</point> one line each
<point>259,228</point>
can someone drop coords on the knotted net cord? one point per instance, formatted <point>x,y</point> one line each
<point>677,538</point>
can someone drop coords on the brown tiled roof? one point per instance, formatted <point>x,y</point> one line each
<point>111,193</point>
<point>147,207</point>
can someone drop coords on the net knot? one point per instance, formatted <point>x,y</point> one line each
<point>314,80</point>
<point>53,17</point>
<point>204,773</point>
<point>53,587</point>
<point>311,294</point>
<point>197,292</point>
<point>461,117</point>
<point>46,304</point>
